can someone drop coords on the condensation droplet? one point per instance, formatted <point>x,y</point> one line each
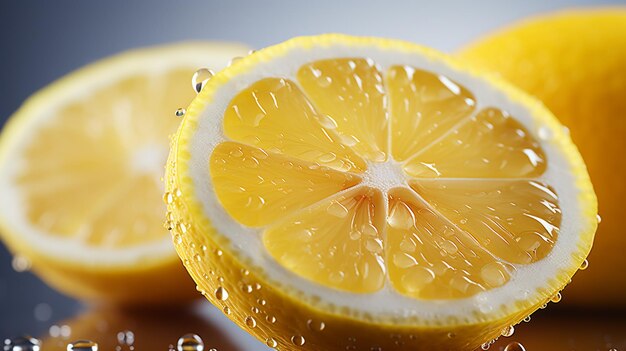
<point>22,343</point>
<point>270,319</point>
<point>545,133</point>
<point>226,310</point>
<point>180,112</point>
<point>584,265</point>
<point>485,346</point>
<point>527,319</point>
<point>271,342</point>
<point>598,218</point>
<point>250,321</point>
<point>556,298</point>
<point>126,337</point>
<point>82,345</point>
<point>508,331</point>
<point>514,346</point>
<point>20,263</point>
<point>298,340</point>
<point>336,209</point>
<point>221,293</point>
<point>315,326</point>
<point>190,342</point>
<point>200,78</point>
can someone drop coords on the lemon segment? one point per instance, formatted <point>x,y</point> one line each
<point>274,114</point>
<point>337,243</point>
<point>259,188</point>
<point>423,105</point>
<point>430,258</point>
<point>492,144</point>
<point>350,92</point>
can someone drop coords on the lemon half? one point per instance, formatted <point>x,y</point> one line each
<point>81,164</point>
<point>346,193</point>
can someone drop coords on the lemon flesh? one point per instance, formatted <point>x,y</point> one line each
<point>341,193</point>
<point>81,172</point>
<point>294,153</point>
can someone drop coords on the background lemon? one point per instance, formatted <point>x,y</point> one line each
<point>575,62</point>
<point>80,172</point>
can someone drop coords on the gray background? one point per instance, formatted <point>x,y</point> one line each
<point>43,40</point>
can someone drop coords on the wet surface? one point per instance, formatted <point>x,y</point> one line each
<point>57,320</point>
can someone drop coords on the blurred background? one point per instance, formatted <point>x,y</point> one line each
<point>43,40</point>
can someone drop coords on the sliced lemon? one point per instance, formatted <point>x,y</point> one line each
<point>344,193</point>
<point>80,169</point>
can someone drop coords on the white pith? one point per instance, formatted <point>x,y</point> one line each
<point>40,110</point>
<point>386,303</point>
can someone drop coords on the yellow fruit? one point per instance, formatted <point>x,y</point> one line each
<point>346,193</point>
<point>80,169</point>
<point>575,62</point>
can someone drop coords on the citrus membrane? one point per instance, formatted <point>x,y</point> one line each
<point>377,182</point>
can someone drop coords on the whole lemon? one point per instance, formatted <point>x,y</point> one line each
<point>575,62</point>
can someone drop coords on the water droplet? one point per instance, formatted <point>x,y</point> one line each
<point>584,265</point>
<point>270,319</point>
<point>451,335</point>
<point>247,288</point>
<point>401,216</point>
<point>417,278</point>
<point>374,245</point>
<point>190,342</point>
<point>315,326</point>
<point>598,218</point>
<point>236,153</point>
<point>336,277</point>
<point>82,345</point>
<point>336,209</point>
<point>328,157</point>
<point>218,252</point>
<point>168,198</point>
<point>126,337</point>
<point>271,342</point>
<point>180,112</point>
<point>221,293</point>
<point>200,78</point>
<point>508,331</point>
<point>485,346</point>
<point>261,302</point>
<point>494,274</point>
<point>255,310</point>
<point>22,343</point>
<point>545,133</point>
<point>226,310</point>
<point>514,346</point>
<point>556,298</point>
<point>298,340</point>
<point>20,263</point>
<point>527,319</point>
<point>250,321</point>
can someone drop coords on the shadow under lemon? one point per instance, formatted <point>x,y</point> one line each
<point>568,330</point>
<point>151,329</point>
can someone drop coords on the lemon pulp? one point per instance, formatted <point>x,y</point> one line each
<point>113,146</point>
<point>360,177</point>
